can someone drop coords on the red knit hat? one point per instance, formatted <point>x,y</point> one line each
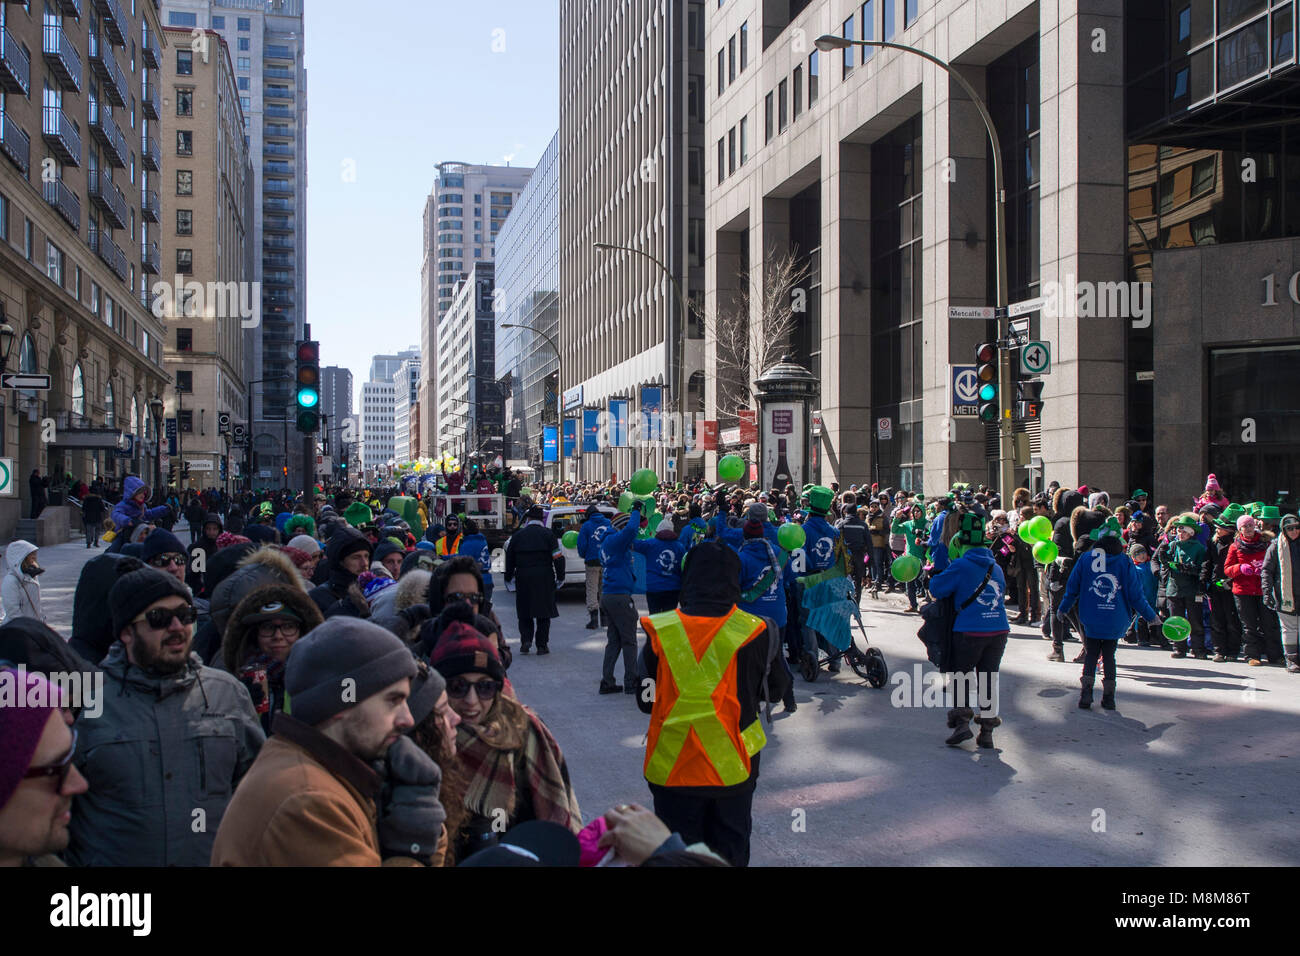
<point>22,721</point>
<point>462,650</point>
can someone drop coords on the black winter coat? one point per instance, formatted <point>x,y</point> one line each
<point>533,556</point>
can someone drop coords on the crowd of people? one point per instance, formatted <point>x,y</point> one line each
<point>323,678</point>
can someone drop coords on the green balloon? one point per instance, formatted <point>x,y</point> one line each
<point>1026,532</point>
<point>1177,628</point>
<point>570,539</point>
<point>643,482</point>
<point>731,468</point>
<point>791,536</point>
<point>1045,552</point>
<point>1041,528</point>
<point>905,568</point>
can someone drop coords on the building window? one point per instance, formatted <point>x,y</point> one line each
<point>722,159</point>
<point>185,340</point>
<point>184,381</point>
<point>184,62</point>
<point>813,67</point>
<point>744,139</point>
<point>184,102</point>
<point>243,63</point>
<point>887,19</point>
<point>796,90</point>
<point>695,26</point>
<point>184,222</point>
<point>731,150</point>
<point>847,32</point>
<point>695,242</point>
<point>245,102</point>
<point>243,44</point>
<point>731,59</point>
<point>695,96</point>
<point>184,142</point>
<point>767,119</point>
<point>244,83</point>
<point>54,263</point>
<point>94,297</point>
<point>722,70</point>
<point>78,390</point>
<point>695,169</point>
<point>911,9</point>
<point>744,45</point>
<point>27,239</point>
<point>218,23</point>
<point>185,261</point>
<point>244,24</point>
<point>783,105</point>
<point>185,182</point>
<point>175,19</point>
<point>4,218</point>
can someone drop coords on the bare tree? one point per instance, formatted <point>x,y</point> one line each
<point>754,328</point>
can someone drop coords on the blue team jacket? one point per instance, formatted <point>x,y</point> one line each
<point>615,551</point>
<point>986,614</point>
<point>1108,591</point>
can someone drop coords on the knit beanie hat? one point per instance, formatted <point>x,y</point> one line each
<point>426,688</point>
<point>136,590</point>
<point>385,548</point>
<point>21,725</point>
<point>756,512</point>
<point>971,532</point>
<point>162,541</point>
<point>305,543</point>
<point>461,650</point>
<point>753,529</point>
<point>226,539</point>
<point>1246,523</point>
<point>1138,551</point>
<point>1290,521</point>
<point>1212,483</point>
<point>301,559</point>
<point>342,649</point>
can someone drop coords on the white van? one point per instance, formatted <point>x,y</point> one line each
<point>569,517</point>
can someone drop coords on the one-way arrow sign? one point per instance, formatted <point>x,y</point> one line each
<point>24,380</point>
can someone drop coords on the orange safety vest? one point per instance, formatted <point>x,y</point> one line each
<point>695,737</point>
<point>442,548</point>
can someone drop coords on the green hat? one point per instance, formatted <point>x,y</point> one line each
<point>265,509</point>
<point>305,522</point>
<point>1187,521</point>
<point>971,531</point>
<point>1230,515</point>
<point>358,513</point>
<point>1254,508</point>
<point>1139,493</point>
<point>1269,513</point>
<point>1110,529</point>
<point>819,498</point>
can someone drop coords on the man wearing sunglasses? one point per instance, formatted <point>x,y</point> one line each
<point>164,551</point>
<point>173,740</point>
<point>37,778</point>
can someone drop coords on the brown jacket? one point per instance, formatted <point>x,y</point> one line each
<point>304,802</point>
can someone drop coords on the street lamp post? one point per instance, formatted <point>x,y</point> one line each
<point>1006,442</point>
<point>675,334</point>
<point>156,410</point>
<point>559,398</point>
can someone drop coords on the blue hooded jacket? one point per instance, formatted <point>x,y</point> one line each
<point>663,559</point>
<point>615,551</point>
<point>755,560</point>
<point>590,529</point>
<point>476,546</point>
<point>1105,585</point>
<point>987,614</point>
<point>819,544</point>
<point>126,513</point>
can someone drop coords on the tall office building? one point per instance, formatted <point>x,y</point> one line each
<point>198,251</point>
<point>462,216</point>
<point>527,296</point>
<point>631,148</point>
<point>468,391</point>
<point>406,385</point>
<point>336,409</point>
<point>384,367</point>
<point>266,39</point>
<point>73,266</point>
<point>377,447</point>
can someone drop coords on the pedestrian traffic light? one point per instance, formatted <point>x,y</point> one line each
<point>308,383</point>
<point>1029,400</point>
<point>986,374</point>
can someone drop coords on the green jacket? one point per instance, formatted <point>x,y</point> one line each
<point>917,534</point>
<point>1185,566</point>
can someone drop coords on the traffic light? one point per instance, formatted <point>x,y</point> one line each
<point>1029,400</point>
<point>308,384</point>
<point>986,374</point>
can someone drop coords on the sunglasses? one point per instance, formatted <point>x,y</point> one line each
<point>59,769</point>
<point>161,617</point>
<point>165,559</point>
<point>463,596</point>
<point>458,687</point>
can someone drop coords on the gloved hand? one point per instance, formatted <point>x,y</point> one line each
<point>1247,569</point>
<point>410,813</point>
<point>1062,617</point>
<point>1153,621</point>
<point>1270,602</point>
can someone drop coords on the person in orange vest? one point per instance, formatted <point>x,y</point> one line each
<point>449,543</point>
<point>704,668</point>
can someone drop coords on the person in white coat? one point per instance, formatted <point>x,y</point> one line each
<point>19,589</point>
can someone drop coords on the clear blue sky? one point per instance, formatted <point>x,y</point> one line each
<point>396,89</point>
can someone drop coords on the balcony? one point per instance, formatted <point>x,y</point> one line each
<point>15,143</point>
<point>278,112</point>
<point>149,50</point>
<point>286,244</point>
<point>105,194</point>
<point>277,169</point>
<point>150,210</point>
<point>277,149</point>
<point>276,73</point>
<point>108,251</point>
<point>279,224</point>
<point>62,58</point>
<point>107,134</point>
<point>150,154</point>
<point>150,104</point>
<point>277,262</point>
<point>15,64</point>
<point>277,187</point>
<point>278,280</point>
<point>71,8</point>
<point>270,93</point>
<point>64,200</point>
<point>61,136</point>
<point>115,21</point>
<point>277,205</point>
<point>104,64</point>
<point>150,259</point>
<point>278,300</point>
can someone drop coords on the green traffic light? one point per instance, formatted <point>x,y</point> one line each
<point>988,392</point>
<point>308,398</point>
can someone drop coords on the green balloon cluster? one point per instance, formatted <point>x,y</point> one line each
<point>570,539</point>
<point>905,568</point>
<point>731,468</point>
<point>791,536</point>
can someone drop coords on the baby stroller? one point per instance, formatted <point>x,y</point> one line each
<point>826,607</point>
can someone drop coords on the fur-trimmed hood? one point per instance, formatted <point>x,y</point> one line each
<point>240,640</point>
<point>1084,521</point>
<point>412,588</point>
<point>267,565</point>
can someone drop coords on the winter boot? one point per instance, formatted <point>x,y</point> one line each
<point>593,623</point>
<point>960,715</point>
<point>1057,654</point>
<point>1085,696</point>
<point>1293,663</point>
<point>985,739</point>
<point>961,733</point>
<point>1107,695</point>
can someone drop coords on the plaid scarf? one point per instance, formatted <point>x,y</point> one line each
<point>514,752</point>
